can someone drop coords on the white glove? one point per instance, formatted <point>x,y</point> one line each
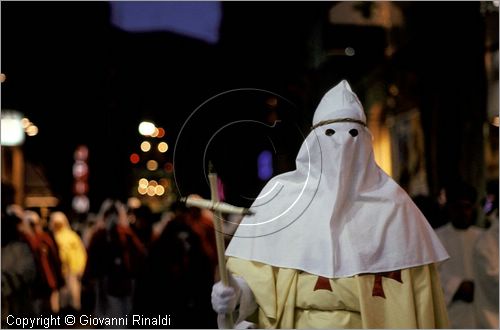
<point>225,298</point>
<point>236,297</point>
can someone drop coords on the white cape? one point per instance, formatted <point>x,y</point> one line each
<point>338,214</point>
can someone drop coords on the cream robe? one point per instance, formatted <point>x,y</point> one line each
<point>287,299</point>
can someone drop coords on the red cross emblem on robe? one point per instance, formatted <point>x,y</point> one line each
<point>322,283</point>
<point>378,289</point>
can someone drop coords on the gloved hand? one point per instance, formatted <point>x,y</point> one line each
<point>236,297</point>
<point>225,298</point>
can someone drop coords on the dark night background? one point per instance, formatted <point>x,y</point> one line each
<point>82,80</point>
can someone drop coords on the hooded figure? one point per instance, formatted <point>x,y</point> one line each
<point>73,258</point>
<point>337,240</point>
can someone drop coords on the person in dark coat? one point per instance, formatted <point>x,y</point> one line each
<point>50,278</point>
<point>18,265</point>
<point>180,274</point>
<point>115,258</point>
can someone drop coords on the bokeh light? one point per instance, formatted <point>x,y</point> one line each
<point>162,147</point>
<point>25,122</point>
<point>164,182</point>
<point>134,158</point>
<point>161,132</point>
<point>169,167</point>
<point>145,146</point>
<point>151,191</point>
<point>146,128</point>
<point>143,183</point>
<point>155,133</point>
<point>159,190</point>
<point>152,165</point>
<point>32,130</point>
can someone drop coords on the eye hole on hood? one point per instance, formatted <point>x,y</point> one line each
<point>353,132</point>
<point>329,132</point>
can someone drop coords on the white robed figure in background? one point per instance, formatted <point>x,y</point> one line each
<point>335,243</point>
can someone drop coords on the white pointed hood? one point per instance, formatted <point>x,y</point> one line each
<point>338,214</point>
<point>339,102</point>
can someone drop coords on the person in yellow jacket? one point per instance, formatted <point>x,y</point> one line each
<point>73,257</point>
<point>335,243</point>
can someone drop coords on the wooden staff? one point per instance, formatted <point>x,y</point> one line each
<point>219,239</point>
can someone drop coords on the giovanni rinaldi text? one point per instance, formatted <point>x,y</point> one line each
<point>87,320</point>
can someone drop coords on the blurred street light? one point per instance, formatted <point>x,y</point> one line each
<point>12,137</point>
<point>12,130</point>
<point>147,128</point>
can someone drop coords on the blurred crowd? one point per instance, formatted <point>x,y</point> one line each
<point>127,260</point>
<point>121,261</point>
